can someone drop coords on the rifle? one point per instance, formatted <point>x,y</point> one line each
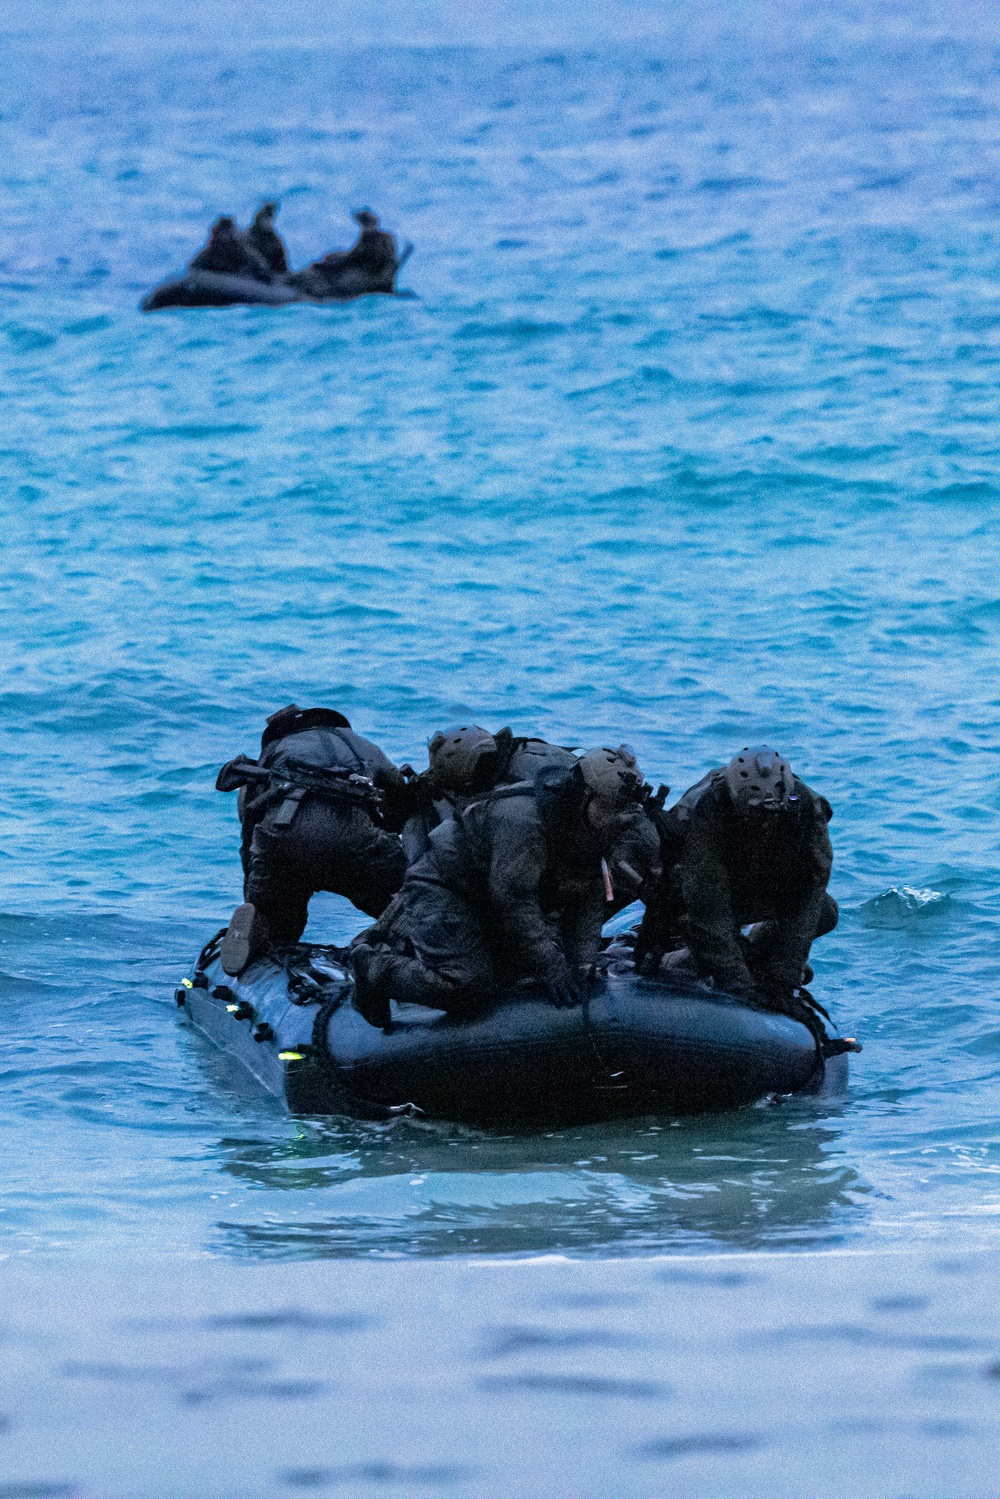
<point>293,781</point>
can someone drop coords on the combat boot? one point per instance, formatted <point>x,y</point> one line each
<point>245,940</point>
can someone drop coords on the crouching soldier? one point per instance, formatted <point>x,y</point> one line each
<point>373,252</point>
<point>514,886</point>
<point>228,252</point>
<point>266,241</point>
<point>747,845</point>
<point>321,810</point>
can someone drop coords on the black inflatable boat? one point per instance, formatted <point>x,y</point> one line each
<point>635,1047</point>
<point>216,289</point>
<point>213,289</point>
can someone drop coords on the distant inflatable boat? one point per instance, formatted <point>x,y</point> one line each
<point>215,289</point>
<point>636,1047</point>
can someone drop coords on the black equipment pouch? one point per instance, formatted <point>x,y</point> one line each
<point>288,809</point>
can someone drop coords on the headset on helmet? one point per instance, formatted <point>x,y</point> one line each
<point>457,757</point>
<point>760,777</point>
<point>612,775</point>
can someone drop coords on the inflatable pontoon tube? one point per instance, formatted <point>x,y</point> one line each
<point>636,1047</point>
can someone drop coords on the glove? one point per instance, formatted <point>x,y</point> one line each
<point>403,796</point>
<point>560,988</point>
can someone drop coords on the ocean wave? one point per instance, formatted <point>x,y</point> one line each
<point>903,906</point>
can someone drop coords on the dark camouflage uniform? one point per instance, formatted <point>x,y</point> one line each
<point>724,870</point>
<point>511,888</point>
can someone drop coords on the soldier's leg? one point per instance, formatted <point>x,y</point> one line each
<point>378,877</point>
<point>340,849</point>
<point>662,925</point>
<point>758,945</point>
<point>247,825</point>
<point>436,954</point>
<point>276,901</point>
<point>277,886</point>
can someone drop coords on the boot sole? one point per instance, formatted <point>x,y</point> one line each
<point>237,944</point>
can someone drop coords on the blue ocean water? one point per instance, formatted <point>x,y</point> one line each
<point>688,439</point>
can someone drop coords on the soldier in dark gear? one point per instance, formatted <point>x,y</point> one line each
<point>374,251</point>
<point>370,264</point>
<point>228,253</point>
<point>462,765</point>
<point>747,844</point>
<point>266,241</point>
<point>513,887</point>
<point>290,852</point>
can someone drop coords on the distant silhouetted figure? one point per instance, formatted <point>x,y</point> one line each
<point>265,240</point>
<point>375,250</point>
<point>228,253</point>
<point>369,265</point>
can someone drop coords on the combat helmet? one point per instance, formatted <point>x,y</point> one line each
<point>760,777</point>
<point>611,775</point>
<point>459,758</point>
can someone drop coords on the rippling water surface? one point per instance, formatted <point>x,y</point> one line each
<point>689,438</point>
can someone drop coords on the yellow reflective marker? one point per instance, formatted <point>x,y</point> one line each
<point>289,1056</point>
<point>186,984</point>
<point>232,1009</point>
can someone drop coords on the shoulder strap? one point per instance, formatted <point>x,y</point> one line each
<point>501,794</point>
<point>516,788</point>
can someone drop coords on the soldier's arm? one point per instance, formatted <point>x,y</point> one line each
<point>404,796</point>
<point>656,930</point>
<point>583,930</point>
<point>797,927</point>
<point>661,916</point>
<point>517,864</point>
<point>634,863</point>
<point>711,928</point>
